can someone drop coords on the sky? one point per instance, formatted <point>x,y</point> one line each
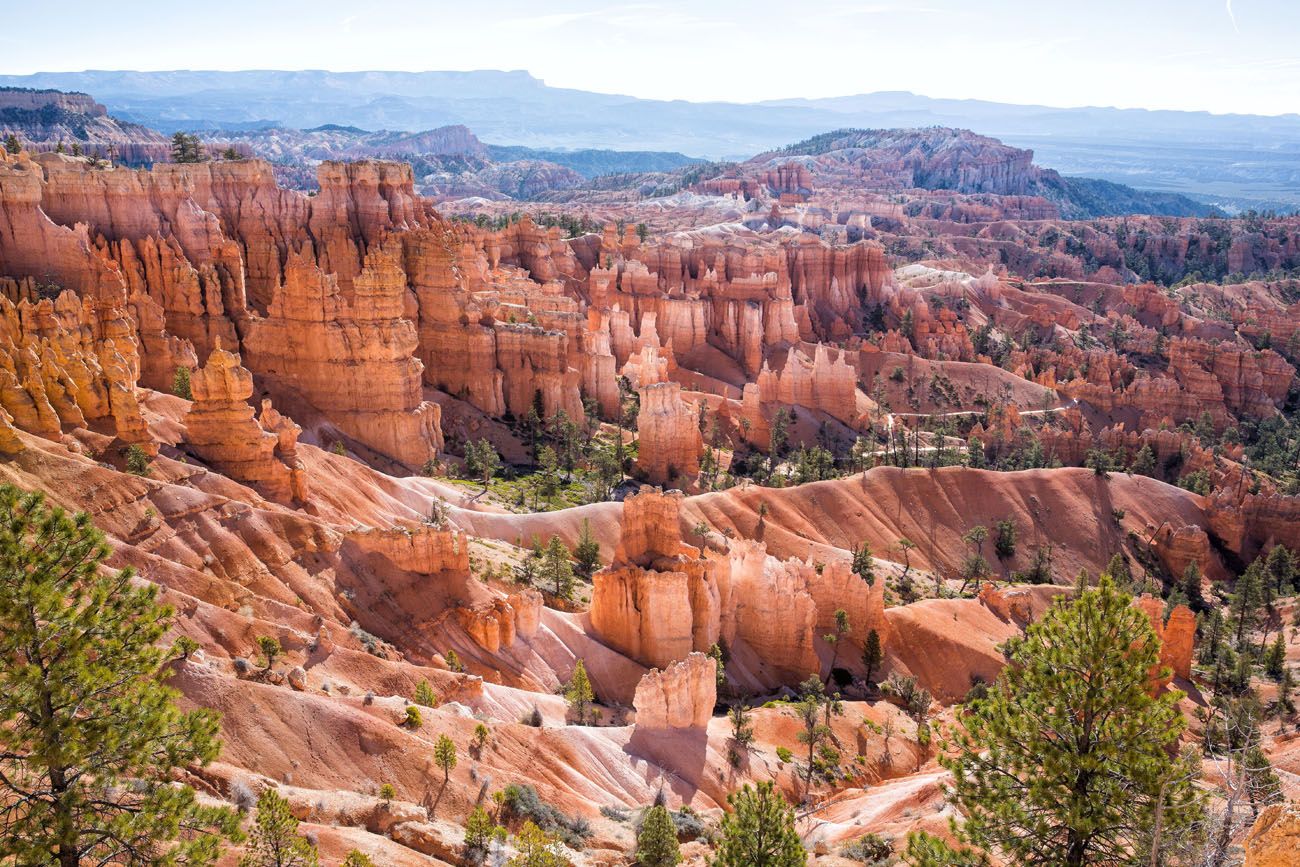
<point>1214,55</point>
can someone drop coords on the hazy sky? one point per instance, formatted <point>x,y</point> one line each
<point>1217,55</point>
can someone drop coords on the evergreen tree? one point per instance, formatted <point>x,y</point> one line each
<point>834,639</point>
<point>1066,761</point>
<point>444,755</point>
<point>91,736</point>
<point>357,858</point>
<point>1192,588</point>
<point>927,850</point>
<point>480,831</point>
<point>815,731</point>
<point>1004,539</point>
<point>1144,462</point>
<point>719,656</point>
<point>556,572</point>
<point>1280,566</point>
<point>181,383</point>
<point>864,563</point>
<point>759,831</point>
<point>872,654</point>
<point>1275,658</point>
<point>656,843</point>
<point>424,694</point>
<point>11,144</point>
<point>579,693</point>
<point>1118,569</point>
<point>186,148</point>
<point>530,566</point>
<point>587,552</point>
<point>536,849</point>
<point>547,476</point>
<point>275,841</point>
<point>1244,607</point>
<point>777,440</point>
<point>742,731</point>
<point>481,461</point>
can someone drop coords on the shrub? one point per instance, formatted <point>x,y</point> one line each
<point>387,792</point>
<point>690,825</point>
<point>181,383</point>
<point>413,719</point>
<point>1004,539</point>
<point>871,849</point>
<point>533,718</point>
<point>521,803</point>
<point>137,461</point>
<point>784,754</point>
<point>614,814</point>
<point>242,796</point>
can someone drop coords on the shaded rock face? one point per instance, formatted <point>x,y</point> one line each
<point>682,696</point>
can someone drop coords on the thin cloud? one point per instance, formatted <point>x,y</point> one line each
<point>1233,16</point>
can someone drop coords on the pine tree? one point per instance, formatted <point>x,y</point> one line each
<point>579,693</point>
<point>1280,566</point>
<point>556,571</point>
<point>186,148</point>
<point>656,843</point>
<point>1192,588</point>
<point>481,461</point>
<point>536,849</point>
<point>1118,569</point>
<point>1246,601</point>
<point>444,754</point>
<point>275,841</point>
<point>815,731</point>
<point>864,564</point>
<point>1144,462</point>
<point>719,657</point>
<point>587,552</point>
<point>1066,761</point>
<point>480,831</point>
<point>759,831</point>
<point>424,694</point>
<point>11,144</point>
<point>91,734</point>
<point>181,383</point>
<point>834,639</point>
<point>872,654</point>
<point>1275,658</point>
<point>927,850</point>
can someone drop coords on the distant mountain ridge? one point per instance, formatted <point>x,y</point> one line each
<point>941,158</point>
<point>1239,160</point>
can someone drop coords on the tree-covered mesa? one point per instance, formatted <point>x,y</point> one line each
<point>90,735</point>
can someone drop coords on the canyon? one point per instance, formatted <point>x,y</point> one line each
<point>775,403</point>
